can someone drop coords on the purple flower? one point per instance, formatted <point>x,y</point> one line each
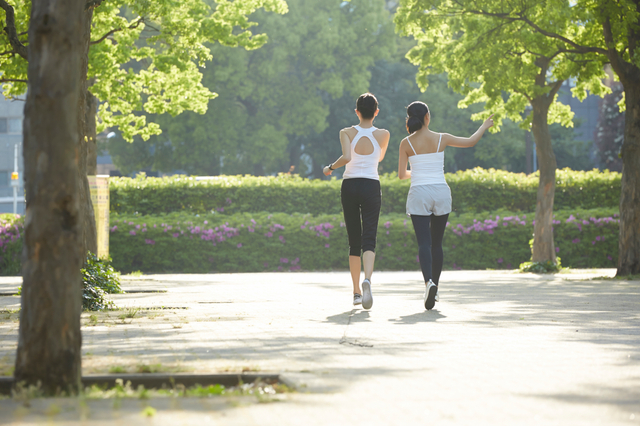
<point>206,222</point>
<point>326,246</point>
<point>387,224</point>
<point>115,227</point>
<point>150,242</point>
<point>155,225</point>
<point>593,243</point>
<point>575,241</point>
<point>239,245</point>
<point>557,249</point>
<point>132,232</point>
<point>303,227</point>
<point>388,244</point>
<point>176,235</point>
<point>387,232</point>
<point>500,260</point>
<point>609,257</point>
<point>281,238</point>
<point>268,235</point>
<point>130,223</point>
<point>598,238</point>
<point>284,260</point>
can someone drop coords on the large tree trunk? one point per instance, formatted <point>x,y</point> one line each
<point>629,243</point>
<point>543,247</point>
<point>49,339</point>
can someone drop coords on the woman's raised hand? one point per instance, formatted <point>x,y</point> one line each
<point>326,171</point>
<point>488,122</point>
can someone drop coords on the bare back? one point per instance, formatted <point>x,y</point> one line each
<point>424,142</point>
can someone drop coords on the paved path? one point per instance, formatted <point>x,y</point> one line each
<point>499,349</point>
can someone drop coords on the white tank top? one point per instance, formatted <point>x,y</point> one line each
<point>363,166</point>
<point>427,169</point>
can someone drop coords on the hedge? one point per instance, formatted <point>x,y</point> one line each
<point>474,190</point>
<point>246,242</point>
<point>279,242</point>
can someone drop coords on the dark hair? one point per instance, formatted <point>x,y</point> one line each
<point>415,116</point>
<point>367,105</point>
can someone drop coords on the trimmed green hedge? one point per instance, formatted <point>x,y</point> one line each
<point>474,190</point>
<point>279,242</point>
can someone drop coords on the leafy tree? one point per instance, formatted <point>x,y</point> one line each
<point>492,58</point>
<point>599,32</point>
<point>130,71</point>
<point>49,337</point>
<point>274,103</point>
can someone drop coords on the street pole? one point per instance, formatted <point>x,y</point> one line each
<point>14,179</point>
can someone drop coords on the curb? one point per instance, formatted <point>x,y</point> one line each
<point>150,381</point>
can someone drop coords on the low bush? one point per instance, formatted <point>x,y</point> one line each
<point>246,242</point>
<point>474,190</point>
<point>11,231</point>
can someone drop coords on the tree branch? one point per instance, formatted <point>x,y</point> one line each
<point>135,24</point>
<point>92,4</point>
<point>12,80</point>
<point>10,29</point>
<point>555,88</point>
<point>578,47</point>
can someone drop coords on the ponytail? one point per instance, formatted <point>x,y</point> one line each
<point>416,112</point>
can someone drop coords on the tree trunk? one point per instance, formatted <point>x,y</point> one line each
<point>629,243</point>
<point>543,247</point>
<point>49,339</point>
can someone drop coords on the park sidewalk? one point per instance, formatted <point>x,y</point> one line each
<point>500,348</point>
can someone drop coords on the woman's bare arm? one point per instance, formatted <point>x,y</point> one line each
<point>403,159</point>
<point>345,142</point>
<point>459,142</point>
<point>384,144</point>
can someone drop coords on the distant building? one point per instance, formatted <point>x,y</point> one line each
<point>11,115</point>
<point>586,112</point>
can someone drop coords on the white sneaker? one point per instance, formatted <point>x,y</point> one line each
<point>357,299</point>
<point>430,292</point>
<point>437,297</point>
<point>367,298</point>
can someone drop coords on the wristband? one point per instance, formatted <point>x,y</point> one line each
<point>330,168</point>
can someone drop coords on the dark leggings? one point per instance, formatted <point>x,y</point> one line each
<point>361,200</point>
<point>429,232</point>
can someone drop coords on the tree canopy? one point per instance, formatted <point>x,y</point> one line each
<point>147,57</point>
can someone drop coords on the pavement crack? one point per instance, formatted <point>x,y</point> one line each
<point>344,338</point>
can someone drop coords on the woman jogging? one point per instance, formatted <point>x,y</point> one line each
<point>429,199</point>
<point>363,147</point>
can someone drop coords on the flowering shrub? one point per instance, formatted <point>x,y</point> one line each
<point>246,242</point>
<point>11,231</point>
<point>474,190</point>
<point>181,242</point>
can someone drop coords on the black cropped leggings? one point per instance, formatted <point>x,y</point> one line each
<point>361,200</point>
<point>429,233</point>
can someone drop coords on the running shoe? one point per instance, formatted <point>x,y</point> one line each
<point>357,299</point>
<point>430,292</point>
<point>437,297</point>
<point>367,298</point>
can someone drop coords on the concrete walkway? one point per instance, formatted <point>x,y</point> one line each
<point>500,348</point>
